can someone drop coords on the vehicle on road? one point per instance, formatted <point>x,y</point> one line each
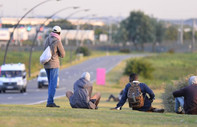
<point>43,80</point>
<point>13,77</point>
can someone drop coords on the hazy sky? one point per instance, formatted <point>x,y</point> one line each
<point>165,9</point>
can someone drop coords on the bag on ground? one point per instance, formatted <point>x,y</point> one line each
<point>46,55</point>
<point>135,96</point>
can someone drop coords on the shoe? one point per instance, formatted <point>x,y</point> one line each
<point>180,112</point>
<point>52,105</point>
<point>116,108</point>
<point>158,110</point>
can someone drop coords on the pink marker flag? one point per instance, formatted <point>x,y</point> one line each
<point>100,76</point>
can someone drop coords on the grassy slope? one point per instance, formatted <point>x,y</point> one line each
<point>170,67</point>
<point>38,115</point>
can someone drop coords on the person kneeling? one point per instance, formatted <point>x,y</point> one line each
<point>81,98</point>
<point>136,92</point>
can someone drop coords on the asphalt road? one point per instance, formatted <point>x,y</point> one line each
<point>67,77</point>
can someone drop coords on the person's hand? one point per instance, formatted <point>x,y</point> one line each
<point>116,108</point>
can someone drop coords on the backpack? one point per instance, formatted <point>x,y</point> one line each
<point>135,96</point>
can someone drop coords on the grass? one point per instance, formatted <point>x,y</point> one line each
<point>171,67</point>
<point>39,115</point>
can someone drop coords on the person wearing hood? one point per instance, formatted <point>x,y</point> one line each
<point>81,98</point>
<point>52,66</point>
<point>190,96</point>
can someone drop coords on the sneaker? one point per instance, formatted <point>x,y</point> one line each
<point>116,108</point>
<point>52,105</point>
<point>158,110</point>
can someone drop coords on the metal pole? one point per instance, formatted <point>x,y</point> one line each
<point>193,36</point>
<point>11,35</point>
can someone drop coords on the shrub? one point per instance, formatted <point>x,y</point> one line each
<point>84,50</point>
<point>139,66</point>
<point>125,50</point>
<point>171,51</point>
<point>168,99</point>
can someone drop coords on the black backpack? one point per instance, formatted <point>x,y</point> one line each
<point>135,96</point>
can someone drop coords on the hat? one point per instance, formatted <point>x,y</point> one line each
<point>56,29</point>
<point>193,80</point>
<point>86,75</point>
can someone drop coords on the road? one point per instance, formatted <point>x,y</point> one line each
<point>67,77</point>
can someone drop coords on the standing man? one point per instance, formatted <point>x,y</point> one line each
<point>52,67</point>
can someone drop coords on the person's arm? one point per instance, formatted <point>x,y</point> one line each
<point>89,89</point>
<point>149,91</point>
<point>124,96</point>
<point>61,51</point>
<point>179,93</point>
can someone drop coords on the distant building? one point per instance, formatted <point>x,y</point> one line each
<point>103,38</point>
<point>25,21</point>
<point>80,35</point>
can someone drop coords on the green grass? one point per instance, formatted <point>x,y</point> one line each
<point>39,115</point>
<point>170,67</point>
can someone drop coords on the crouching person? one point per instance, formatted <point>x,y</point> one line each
<point>81,98</point>
<point>136,92</point>
<point>190,96</point>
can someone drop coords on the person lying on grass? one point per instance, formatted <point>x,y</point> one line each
<point>111,96</point>
<point>190,96</point>
<point>136,93</point>
<point>81,98</point>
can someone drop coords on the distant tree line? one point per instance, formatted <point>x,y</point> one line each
<point>139,28</point>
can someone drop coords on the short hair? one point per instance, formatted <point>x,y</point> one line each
<point>86,75</point>
<point>193,80</point>
<point>133,77</point>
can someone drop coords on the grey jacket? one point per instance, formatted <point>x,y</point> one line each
<point>80,98</point>
<point>57,50</point>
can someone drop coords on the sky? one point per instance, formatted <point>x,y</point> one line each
<point>162,9</point>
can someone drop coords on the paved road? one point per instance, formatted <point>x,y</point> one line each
<point>67,77</point>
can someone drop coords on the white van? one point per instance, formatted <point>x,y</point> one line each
<point>13,77</point>
<point>43,80</point>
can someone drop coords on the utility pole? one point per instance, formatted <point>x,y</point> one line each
<point>193,35</point>
<point>181,33</point>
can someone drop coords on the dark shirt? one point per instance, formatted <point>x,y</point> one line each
<point>190,98</point>
<point>145,90</point>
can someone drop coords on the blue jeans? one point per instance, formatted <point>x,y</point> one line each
<point>52,75</point>
<point>179,102</point>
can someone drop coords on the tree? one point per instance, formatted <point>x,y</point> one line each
<point>139,28</point>
<point>121,34</point>
<point>64,24</point>
<point>171,33</point>
<point>159,32</point>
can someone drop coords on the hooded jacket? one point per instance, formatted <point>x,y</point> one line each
<point>57,51</point>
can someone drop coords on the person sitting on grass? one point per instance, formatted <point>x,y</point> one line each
<point>81,98</point>
<point>190,96</point>
<point>136,92</point>
<point>115,98</point>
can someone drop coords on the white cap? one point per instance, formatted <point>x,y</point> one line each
<point>193,80</point>
<point>86,75</point>
<point>56,29</point>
